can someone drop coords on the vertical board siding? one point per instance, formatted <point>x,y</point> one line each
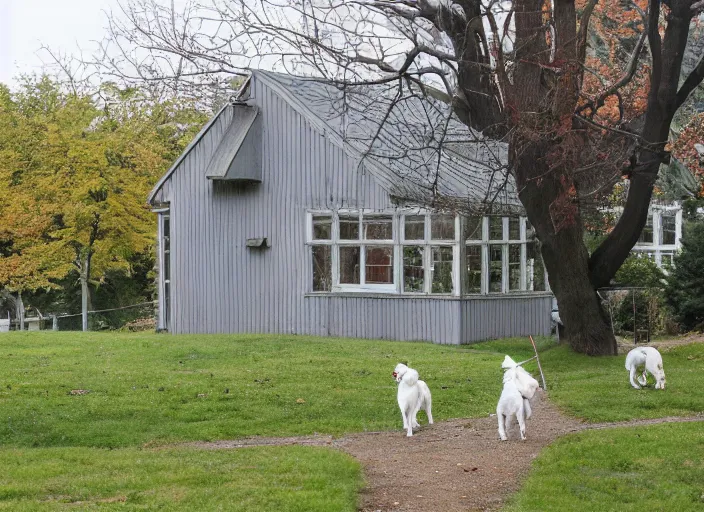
<point>491,318</point>
<point>218,285</point>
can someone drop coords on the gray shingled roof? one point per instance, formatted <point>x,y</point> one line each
<point>414,146</point>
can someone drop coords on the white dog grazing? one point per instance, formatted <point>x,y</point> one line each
<point>652,361</point>
<point>413,395</point>
<point>519,388</point>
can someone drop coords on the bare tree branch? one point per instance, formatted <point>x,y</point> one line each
<point>692,82</point>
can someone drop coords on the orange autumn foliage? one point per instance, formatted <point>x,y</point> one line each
<point>683,148</point>
<point>614,32</point>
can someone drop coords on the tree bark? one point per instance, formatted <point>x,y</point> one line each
<point>85,292</point>
<point>20,312</point>
<point>555,217</point>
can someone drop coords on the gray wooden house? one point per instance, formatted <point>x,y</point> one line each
<point>282,217</point>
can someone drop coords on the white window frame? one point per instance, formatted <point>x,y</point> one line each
<point>399,241</point>
<point>657,248</point>
<point>427,243</point>
<point>525,283</point>
<point>164,319</point>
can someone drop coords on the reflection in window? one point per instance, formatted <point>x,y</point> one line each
<point>349,265</point>
<point>514,228</point>
<point>514,267</point>
<point>646,236</point>
<point>349,227</point>
<point>322,268</point>
<point>441,271</point>
<point>414,227</point>
<point>473,228</point>
<point>322,227</point>
<point>442,227</point>
<point>413,269</point>
<point>474,269</point>
<point>496,228</point>
<point>379,265</point>
<point>495,268</point>
<point>378,228</point>
<point>668,228</point>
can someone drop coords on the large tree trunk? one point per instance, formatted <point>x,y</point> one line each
<point>555,217</point>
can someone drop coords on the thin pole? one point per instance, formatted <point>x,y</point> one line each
<point>540,367</point>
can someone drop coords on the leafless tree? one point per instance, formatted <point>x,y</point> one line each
<point>512,72</point>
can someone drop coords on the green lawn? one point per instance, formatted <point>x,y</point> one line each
<point>599,390</point>
<point>659,467</point>
<point>111,447</point>
<point>158,389</point>
<point>247,480</point>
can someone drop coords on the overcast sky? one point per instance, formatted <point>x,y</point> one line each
<point>63,25</point>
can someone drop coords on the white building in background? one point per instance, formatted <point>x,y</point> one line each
<point>661,237</point>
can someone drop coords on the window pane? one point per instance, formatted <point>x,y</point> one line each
<point>646,236</point>
<point>349,265</point>
<point>322,268</point>
<point>413,272</point>
<point>322,227</point>
<point>514,228</point>
<point>349,227</point>
<point>474,269</point>
<point>535,268</point>
<point>441,271</point>
<point>166,233</point>
<point>442,227</point>
<point>495,268</point>
<point>667,260</point>
<point>496,228</point>
<point>473,228</point>
<point>414,227</point>
<point>379,267</point>
<point>167,266</point>
<point>378,228</point>
<point>668,228</point>
<point>514,267</point>
<point>167,304</point>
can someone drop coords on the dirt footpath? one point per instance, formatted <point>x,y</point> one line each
<point>456,465</point>
<point>460,465</point>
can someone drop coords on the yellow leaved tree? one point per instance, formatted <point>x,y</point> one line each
<point>74,175</point>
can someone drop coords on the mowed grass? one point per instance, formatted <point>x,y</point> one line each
<point>658,467</point>
<point>597,389</point>
<point>158,389</point>
<point>249,479</point>
<point>89,421</point>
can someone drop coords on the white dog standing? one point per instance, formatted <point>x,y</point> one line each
<point>519,388</point>
<point>652,361</point>
<point>413,395</point>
